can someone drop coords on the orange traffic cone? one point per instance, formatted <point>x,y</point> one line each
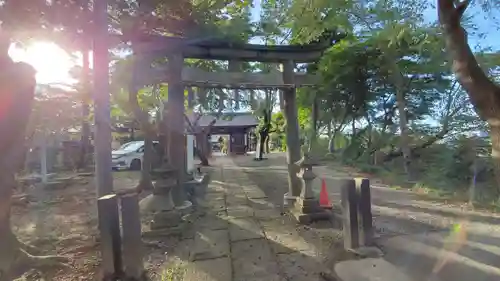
<point>324,202</point>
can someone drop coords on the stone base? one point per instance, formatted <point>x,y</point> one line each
<point>259,159</point>
<point>176,230</point>
<point>185,208</point>
<point>289,200</point>
<point>367,252</point>
<point>154,203</point>
<point>303,218</point>
<point>165,219</point>
<point>308,206</point>
<point>197,188</point>
<point>307,211</point>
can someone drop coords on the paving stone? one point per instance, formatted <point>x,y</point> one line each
<point>244,229</point>
<point>241,211</point>
<point>267,214</point>
<point>372,270</point>
<point>210,244</point>
<point>215,188</point>
<point>253,260</point>
<point>217,195</point>
<point>300,267</point>
<point>261,204</point>
<point>212,221</point>
<point>254,192</point>
<point>236,200</point>
<point>209,270</point>
<point>284,238</point>
<point>215,205</point>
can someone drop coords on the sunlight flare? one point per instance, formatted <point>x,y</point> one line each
<point>51,62</point>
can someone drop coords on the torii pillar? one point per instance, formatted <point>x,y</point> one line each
<point>292,133</point>
<point>176,144</point>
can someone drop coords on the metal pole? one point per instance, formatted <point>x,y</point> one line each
<point>102,133</point>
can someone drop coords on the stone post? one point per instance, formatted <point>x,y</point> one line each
<point>292,132</point>
<point>190,153</point>
<point>365,212</point>
<point>177,148</point>
<point>109,229</point>
<point>133,250</point>
<point>349,204</point>
<point>307,208</point>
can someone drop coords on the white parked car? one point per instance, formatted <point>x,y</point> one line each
<point>129,156</point>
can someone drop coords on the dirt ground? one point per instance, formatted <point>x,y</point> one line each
<point>64,222</point>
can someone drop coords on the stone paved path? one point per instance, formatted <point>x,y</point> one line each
<point>416,235</point>
<point>242,235</point>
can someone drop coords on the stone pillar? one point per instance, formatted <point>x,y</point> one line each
<point>349,204</point>
<point>190,153</point>
<point>177,148</point>
<point>109,230</point>
<point>365,212</point>
<point>292,132</point>
<point>133,248</point>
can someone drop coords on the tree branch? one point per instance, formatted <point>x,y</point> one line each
<point>415,150</point>
<point>482,91</point>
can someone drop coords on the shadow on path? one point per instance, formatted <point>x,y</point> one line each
<point>426,250</point>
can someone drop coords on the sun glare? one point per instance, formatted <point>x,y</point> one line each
<point>51,62</point>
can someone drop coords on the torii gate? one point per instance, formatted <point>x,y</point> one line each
<point>150,47</point>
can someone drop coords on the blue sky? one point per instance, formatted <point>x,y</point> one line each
<point>486,23</point>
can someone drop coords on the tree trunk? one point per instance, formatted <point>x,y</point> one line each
<point>235,66</point>
<point>252,99</point>
<point>331,138</point>
<point>483,93</point>
<point>314,126</point>
<point>17,84</point>
<point>86,99</point>
<point>262,144</point>
<point>201,148</point>
<point>147,163</point>
<point>190,98</point>
<point>405,138</point>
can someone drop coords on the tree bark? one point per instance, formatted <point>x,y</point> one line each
<point>143,118</point>
<point>404,135</point>
<point>252,99</point>
<point>484,94</point>
<point>147,164</point>
<point>85,137</point>
<point>17,84</point>
<point>201,148</point>
<point>235,66</point>
<point>190,98</point>
<point>314,125</point>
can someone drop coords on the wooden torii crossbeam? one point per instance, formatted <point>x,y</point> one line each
<point>195,77</point>
<point>217,49</point>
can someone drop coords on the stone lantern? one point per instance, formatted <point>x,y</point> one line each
<point>306,176</point>
<point>160,202</point>
<point>307,208</point>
